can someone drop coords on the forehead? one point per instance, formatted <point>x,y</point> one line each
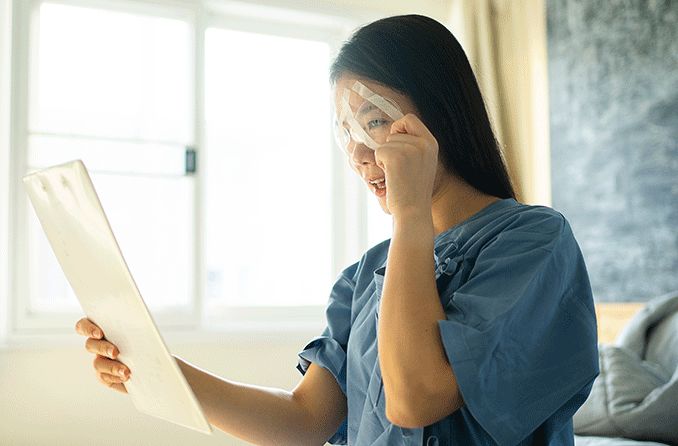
<point>355,100</point>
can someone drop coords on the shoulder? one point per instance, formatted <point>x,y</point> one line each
<point>511,228</point>
<point>534,226</point>
<point>533,218</point>
<point>532,235</point>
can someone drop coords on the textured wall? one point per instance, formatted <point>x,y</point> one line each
<point>613,86</point>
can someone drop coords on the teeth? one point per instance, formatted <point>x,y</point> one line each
<point>379,184</point>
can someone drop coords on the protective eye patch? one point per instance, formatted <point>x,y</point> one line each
<point>369,123</point>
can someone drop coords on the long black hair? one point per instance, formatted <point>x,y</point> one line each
<point>420,58</point>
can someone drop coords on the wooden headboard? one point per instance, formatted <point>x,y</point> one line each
<point>612,317</point>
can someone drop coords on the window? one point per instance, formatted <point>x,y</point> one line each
<point>253,102</point>
<point>5,74</point>
<point>121,102</point>
<point>269,200</point>
<point>379,224</point>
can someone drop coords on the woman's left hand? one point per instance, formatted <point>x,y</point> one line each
<point>409,159</point>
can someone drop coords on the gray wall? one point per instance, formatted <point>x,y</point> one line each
<point>613,81</point>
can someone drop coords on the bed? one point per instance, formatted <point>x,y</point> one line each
<point>626,329</point>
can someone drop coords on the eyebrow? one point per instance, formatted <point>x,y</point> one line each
<point>368,108</point>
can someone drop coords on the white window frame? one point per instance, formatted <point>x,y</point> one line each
<point>349,218</point>
<point>25,34</point>
<point>5,131</point>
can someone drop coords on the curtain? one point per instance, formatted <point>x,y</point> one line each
<point>505,41</point>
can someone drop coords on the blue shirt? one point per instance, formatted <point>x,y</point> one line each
<point>520,333</point>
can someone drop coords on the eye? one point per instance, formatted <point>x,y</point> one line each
<point>376,123</point>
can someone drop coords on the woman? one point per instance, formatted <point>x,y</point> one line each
<point>491,341</point>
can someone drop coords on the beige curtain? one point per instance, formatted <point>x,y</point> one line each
<point>505,41</point>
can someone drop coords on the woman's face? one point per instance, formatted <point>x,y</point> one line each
<point>359,156</point>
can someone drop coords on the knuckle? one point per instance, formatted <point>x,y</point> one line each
<point>101,378</point>
<point>100,363</point>
<point>106,379</point>
<point>109,349</point>
<point>113,367</point>
<point>94,346</point>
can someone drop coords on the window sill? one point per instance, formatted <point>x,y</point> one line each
<point>238,332</point>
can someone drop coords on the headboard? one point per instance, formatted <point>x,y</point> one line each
<point>612,317</point>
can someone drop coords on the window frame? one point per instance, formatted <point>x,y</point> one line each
<point>5,170</point>
<point>349,214</point>
<point>25,26</point>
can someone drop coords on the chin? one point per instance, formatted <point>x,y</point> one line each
<point>384,207</point>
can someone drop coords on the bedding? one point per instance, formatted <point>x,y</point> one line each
<point>608,441</point>
<point>636,394</point>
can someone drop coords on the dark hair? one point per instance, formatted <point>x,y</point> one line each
<point>420,58</point>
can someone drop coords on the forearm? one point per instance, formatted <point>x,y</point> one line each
<point>259,415</point>
<point>410,348</point>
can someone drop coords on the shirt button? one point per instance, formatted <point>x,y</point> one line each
<point>432,441</point>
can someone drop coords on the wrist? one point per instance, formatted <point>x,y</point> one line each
<point>413,216</point>
<point>416,223</point>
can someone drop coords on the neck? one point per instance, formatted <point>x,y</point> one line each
<point>455,201</point>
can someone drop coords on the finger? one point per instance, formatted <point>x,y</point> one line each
<point>104,348</point>
<point>404,140</point>
<point>387,150</point>
<point>411,125</point>
<point>86,327</point>
<point>107,378</point>
<point>119,387</point>
<point>403,137</point>
<point>105,365</point>
<point>112,382</point>
<point>387,157</point>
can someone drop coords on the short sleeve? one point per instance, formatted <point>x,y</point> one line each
<point>520,333</point>
<point>329,349</point>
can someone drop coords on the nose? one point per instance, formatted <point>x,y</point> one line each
<point>362,154</point>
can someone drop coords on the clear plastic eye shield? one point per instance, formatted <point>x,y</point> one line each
<point>368,123</point>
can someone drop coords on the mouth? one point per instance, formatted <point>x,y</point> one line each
<point>378,186</point>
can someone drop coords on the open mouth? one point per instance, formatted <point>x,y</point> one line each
<point>378,184</point>
<point>378,187</point>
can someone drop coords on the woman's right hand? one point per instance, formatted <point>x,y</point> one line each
<point>106,367</point>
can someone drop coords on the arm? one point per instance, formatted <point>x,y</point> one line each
<point>419,383</point>
<point>308,415</point>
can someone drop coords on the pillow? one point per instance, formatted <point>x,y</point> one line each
<point>638,334</point>
<point>632,397</point>
<point>662,345</point>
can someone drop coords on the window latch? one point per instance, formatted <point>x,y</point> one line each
<point>190,160</point>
